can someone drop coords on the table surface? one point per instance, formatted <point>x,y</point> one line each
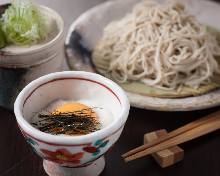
<point>202,156</point>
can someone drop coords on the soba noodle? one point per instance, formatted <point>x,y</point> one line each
<point>160,45</point>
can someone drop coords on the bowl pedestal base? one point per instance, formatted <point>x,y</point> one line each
<point>94,169</point>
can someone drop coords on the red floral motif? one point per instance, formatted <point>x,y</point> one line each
<point>90,149</point>
<point>96,149</point>
<point>62,156</point>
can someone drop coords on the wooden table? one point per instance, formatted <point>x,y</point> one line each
<point>202,156</point>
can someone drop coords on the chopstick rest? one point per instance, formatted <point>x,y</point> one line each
<point>165,157</point>
<point>183,134</point>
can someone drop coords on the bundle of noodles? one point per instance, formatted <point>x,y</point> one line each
<point>161,46</point>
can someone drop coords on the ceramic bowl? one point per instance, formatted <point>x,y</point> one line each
<point>21,65</point>
<point>88,28</point>
<point>83,153</point>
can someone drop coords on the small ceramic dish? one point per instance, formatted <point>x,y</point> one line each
<point>72,155</point>
<point>87,29</point>
<point>20,65</point>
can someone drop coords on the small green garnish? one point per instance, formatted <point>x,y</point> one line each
<point>23,23</point>
<point>2,38</point>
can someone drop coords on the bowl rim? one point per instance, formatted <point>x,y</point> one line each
<point>57,37</point>
<point>47,138</point>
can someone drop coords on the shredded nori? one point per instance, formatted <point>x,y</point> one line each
<point>70,123</point>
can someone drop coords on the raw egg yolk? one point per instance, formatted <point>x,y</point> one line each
<point>73,107</point>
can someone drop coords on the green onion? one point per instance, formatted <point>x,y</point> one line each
<point>2,38</point>
<point>23,24</point>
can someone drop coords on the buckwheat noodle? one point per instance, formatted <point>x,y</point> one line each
<point>160,45</point>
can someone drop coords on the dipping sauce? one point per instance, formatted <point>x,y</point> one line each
<point>68,118</point>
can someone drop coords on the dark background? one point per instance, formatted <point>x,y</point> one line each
<point>202,156</point>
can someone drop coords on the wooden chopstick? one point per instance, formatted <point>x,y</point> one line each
<point>173,133</point>
<point>188,132</point>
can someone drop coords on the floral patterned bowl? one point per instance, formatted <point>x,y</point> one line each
<point>72,155</point>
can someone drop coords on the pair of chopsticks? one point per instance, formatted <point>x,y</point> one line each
<point>183,134</point>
